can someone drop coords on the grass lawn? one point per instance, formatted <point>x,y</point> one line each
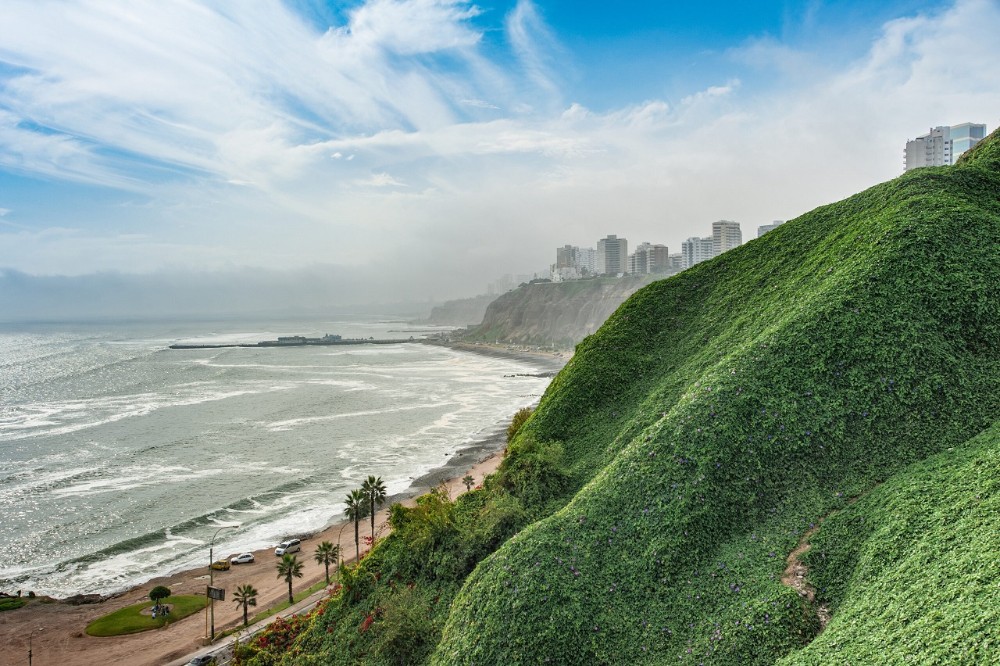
<point>130,620</point>
<point>10,603</point>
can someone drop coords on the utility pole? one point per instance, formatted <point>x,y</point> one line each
<point>211,582</point>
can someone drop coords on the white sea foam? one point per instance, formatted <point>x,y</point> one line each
<point>112,444</point>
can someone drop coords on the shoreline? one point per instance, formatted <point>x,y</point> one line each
<point>66,643</point>
<point>469,455</point>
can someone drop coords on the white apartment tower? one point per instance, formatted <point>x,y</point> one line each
<point>941,146</point>
<point>587,258</point>
<point>612,255</point>
<point>764,228</point>
<point>726,235</point>
<point>696,250</point>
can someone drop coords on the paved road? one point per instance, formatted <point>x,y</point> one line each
<point>222,650</point>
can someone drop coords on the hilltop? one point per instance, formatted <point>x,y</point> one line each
<point>825,397</point>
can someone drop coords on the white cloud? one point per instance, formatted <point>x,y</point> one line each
<point>286,144</point>
<point>536,47</point>
<point>380,180</point>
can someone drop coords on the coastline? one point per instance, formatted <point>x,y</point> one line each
<point>66,643</point>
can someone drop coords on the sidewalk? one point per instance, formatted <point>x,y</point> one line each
<point>222,649</point>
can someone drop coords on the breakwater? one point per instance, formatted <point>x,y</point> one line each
<point>297,341</point>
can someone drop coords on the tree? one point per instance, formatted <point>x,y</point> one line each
<point>246,595</point>
<point>520,416</point>
<point>327,554</point>
<point>355,510</point>
<point>289,567</point>
<point>158,594</point>
<point>468,481</point>
<point>375,491</point>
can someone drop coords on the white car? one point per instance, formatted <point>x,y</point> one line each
<point>290,546</point>
<point>244,558</point>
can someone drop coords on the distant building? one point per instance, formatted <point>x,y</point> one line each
<point>726,235</point>
<point>941,146</point>
<point>612,255</point>
<point>649,258</point>
<point>696,250</point>
<point>505,284</point>
<point>764,228</point>
<point>566,256</point>
<point>675,263</point>
<point>572,263</point>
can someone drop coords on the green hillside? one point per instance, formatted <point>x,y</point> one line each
<point>719,414</point>
<point>834,383</point>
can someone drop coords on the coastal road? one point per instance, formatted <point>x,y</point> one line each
<point>223,649</point>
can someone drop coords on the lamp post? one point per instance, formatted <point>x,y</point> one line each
<point>211,574</point>
<point>31,634</point>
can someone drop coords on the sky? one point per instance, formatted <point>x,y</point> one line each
<point>371,151</point>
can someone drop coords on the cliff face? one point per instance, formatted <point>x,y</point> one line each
<point>554,313</point>
<point>460,312</point>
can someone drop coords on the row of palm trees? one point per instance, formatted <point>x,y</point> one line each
<point>360,502</point>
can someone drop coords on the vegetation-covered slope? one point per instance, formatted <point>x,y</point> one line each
<point>911,570</point>
<point>719,414</point>
<point>834,373</point>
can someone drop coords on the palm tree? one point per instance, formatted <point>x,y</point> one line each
<point>326,554</point>
<point>375,490</point>
<point>355,511</point>
<point>289,567</point>
<point>468,481</point>
<point>245,595</point>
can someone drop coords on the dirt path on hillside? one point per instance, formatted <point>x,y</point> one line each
<point>57,628</point>
<point>796,577</point>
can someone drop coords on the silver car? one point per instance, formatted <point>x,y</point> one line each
<point>290,546</point>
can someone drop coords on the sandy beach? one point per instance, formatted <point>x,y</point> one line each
<point>57,628</point>
<point>61,639</point>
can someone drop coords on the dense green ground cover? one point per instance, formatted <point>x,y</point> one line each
<point>719,414</point>
<point>645,511</point>
<point>911,569</point>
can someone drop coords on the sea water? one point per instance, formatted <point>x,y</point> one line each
<point>120,458</point>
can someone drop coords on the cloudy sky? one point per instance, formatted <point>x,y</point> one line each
<point>425,147</point>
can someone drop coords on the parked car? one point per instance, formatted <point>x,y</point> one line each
<point>221,565</point>
<point>244,558</point>
<point>203,660</point>
<point>290,546</point>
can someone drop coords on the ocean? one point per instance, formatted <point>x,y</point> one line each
<point>119,457</point>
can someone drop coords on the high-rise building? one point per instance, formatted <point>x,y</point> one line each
<point>696,250</point>
<point>572,263</point>
<point>649,258</point>
<point>612,255</point>
<point>942,145</point>
<point>726,235</point>
<point>587,258</point>
<point>764,228</point>
<point>566,256</point>
<point>675,263</point>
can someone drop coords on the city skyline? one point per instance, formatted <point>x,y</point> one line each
<point>402,150</point>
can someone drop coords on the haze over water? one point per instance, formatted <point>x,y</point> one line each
<point>119,457</point>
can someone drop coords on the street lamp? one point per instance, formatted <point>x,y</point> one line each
<point>211,574</point>
<point>31,634</point>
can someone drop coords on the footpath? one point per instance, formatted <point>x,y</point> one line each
<point>222,650</point>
